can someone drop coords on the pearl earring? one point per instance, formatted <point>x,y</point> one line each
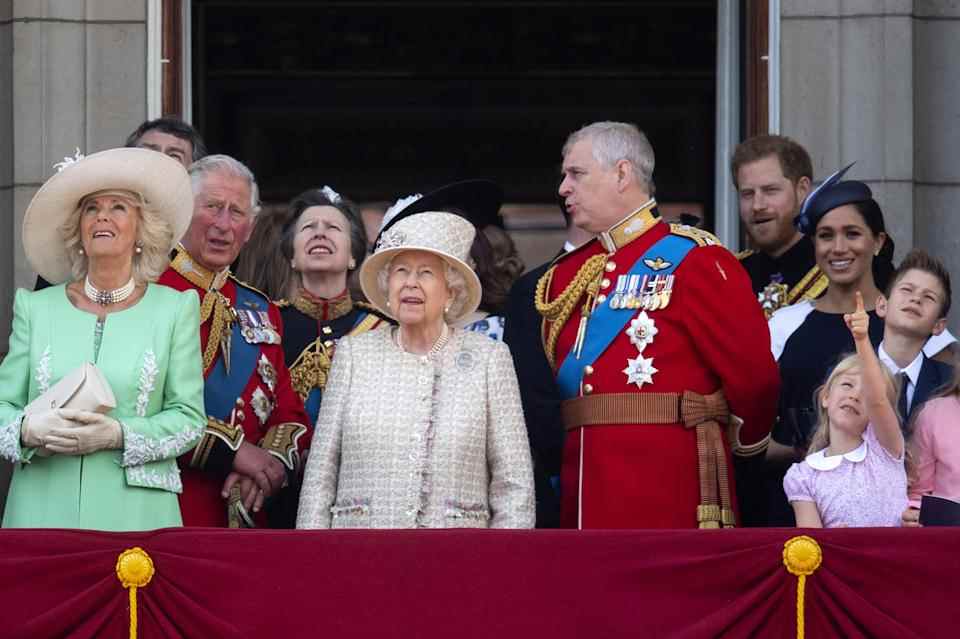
<point>138,249</point>
<point>80,251</point>
<point>352,264</point>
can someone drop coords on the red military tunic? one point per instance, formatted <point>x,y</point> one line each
<point>711,336</point>
<point>268,412</point>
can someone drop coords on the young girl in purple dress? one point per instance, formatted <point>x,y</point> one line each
<point>854,473</point>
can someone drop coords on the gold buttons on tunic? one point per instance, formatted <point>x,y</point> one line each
<point>587,389</point>
<point>588,370</point>
<point>610,267</point>
<point>327,330</point>
<point>601,299</point>
<point>604,283</point>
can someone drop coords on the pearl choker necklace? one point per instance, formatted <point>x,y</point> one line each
<point>105,298</point>
<point>437,345</point>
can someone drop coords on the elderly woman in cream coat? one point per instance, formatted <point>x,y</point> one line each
<point>421,424</point>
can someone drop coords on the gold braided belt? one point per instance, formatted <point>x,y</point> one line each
<point>693,410</point>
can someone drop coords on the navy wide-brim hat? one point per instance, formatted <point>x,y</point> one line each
<point>828,196</point>
<point>479,200</point>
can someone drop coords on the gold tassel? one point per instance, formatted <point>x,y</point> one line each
<point>134,570</point>
<point>802,556</point>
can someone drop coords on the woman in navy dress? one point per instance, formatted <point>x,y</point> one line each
<point>809,338</point>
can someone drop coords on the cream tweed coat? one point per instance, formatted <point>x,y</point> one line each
<point>410,441</point>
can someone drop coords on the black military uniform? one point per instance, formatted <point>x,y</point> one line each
<point>787,279</point>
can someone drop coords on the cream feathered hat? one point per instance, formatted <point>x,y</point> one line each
<point>446,235</point>
<point>161,180</point>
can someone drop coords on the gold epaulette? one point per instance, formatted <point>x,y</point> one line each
<point>744,254</point>
<point>701,237</point>
<point>280,303</point>
<point>374,311</point>
<point>810,287</point>
<point>240,282</point>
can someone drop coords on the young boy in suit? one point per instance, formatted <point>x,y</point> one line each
<point>915,308</point>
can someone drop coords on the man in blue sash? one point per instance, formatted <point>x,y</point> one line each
<point>256,429</point>
<point>656,339</point>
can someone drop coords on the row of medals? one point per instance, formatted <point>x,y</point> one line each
<point>648,293</point>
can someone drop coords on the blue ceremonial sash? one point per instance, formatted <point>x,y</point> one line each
<point>312,405</point>
<point>606,323</point>
<point>220,390</point>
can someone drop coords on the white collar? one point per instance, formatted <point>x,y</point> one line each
<point>568,246</point>
<point>912,370</point>
<point>937,343</point>
<point>820,461</point>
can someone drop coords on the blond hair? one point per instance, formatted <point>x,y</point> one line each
<point>848,364</point>
<point>154,238</point>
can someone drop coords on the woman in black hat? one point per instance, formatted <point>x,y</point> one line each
<point>808,338</point>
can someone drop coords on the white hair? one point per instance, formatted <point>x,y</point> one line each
<point>220,163</point>
<point>615,141</point>
<point>455,280</point>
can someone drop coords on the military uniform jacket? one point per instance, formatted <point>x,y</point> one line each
<point>250,400</point>
<point>711,336</point>
<point>790,278</point>
<point>311,328</point>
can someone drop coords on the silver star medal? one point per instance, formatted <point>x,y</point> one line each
<point>640,371</point>
<point>642,331</point>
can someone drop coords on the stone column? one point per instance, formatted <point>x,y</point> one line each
<point>848,94</point>
<point>937,152</point>
<point>78,81</point>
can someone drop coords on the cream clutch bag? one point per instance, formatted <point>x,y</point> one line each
<point>84,388</point>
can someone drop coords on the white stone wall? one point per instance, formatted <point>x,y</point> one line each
<point>937,152</point>
<point>78,72</point>
<point>847,94</point>
<point>876,81</point>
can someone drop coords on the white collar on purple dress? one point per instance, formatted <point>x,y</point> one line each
<point>820,461</point>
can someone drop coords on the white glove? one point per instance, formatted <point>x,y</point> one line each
<point>36,427</point>
<point>85,432</point>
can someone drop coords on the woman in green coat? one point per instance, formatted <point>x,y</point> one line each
<point>104,225</point>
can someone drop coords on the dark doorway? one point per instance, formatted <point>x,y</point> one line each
<point>385,98</point>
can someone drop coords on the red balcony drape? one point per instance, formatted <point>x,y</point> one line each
<point>451,583</point>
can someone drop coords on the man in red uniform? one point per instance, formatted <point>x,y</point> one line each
<point>657,341</point>
<point>256,425</point>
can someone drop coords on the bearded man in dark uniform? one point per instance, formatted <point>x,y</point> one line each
<point>773,175</point>
<point>661,352</point>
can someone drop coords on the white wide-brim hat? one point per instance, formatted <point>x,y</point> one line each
<point>446,235</point>
<point>161,180</point>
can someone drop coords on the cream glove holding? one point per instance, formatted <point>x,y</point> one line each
<point>35,428</point>
<point>86,432</point>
